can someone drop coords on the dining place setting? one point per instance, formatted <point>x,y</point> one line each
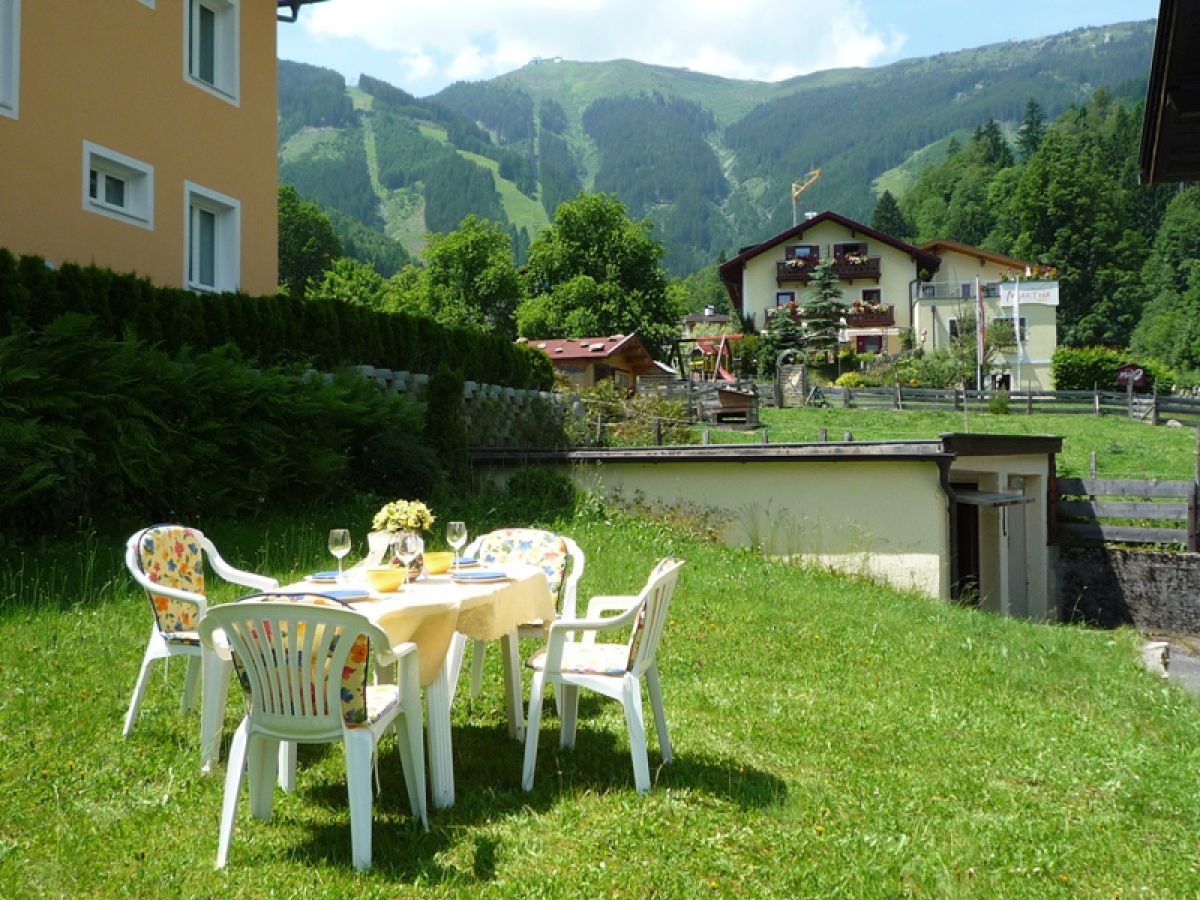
<point>408,614</point>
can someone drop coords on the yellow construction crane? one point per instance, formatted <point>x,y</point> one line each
<point>799,187</point>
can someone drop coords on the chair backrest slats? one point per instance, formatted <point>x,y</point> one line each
<point>652,618</point>
<point>303,660</point>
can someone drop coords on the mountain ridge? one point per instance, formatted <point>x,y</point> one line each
<point>707,158</point>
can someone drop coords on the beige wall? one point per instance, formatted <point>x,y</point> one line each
<point>1039,308</point>
<point>882,519</point>
<point>897,270</point>
<point>111,72</point>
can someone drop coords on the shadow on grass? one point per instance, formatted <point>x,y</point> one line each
<point>488,789</point>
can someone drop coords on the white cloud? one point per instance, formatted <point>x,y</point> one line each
<point>473,39</point>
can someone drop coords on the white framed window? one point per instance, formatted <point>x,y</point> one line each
<point>212,239</point>
<point>149,3</point>
<point>118,186</point>
<point>10,57</point>
<point>210,29</point>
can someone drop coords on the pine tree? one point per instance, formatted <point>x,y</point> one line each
<point>823,314</point>
<point>889,218</point>
<point>1032,129</point>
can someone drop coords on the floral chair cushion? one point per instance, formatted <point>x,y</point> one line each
<point>361,703</point>
<point>590,659</point>
<point>531,546</point>
<point>171,555</point>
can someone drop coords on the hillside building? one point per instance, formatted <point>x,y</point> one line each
<point>891,287</point>
<point>140,135</point>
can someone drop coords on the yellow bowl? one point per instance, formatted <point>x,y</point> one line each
<point>438,561</point>
<point>385,579</point>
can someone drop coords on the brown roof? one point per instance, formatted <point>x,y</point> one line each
<point>731,271</point>
<point>968,250</point>
<point>598,348</point>
<point>1171,129</point>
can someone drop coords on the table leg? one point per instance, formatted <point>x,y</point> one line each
<point>511,657</point>
<point>215,686</point>
<point>438,696</point>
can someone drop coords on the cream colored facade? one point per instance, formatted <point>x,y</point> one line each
<point>140,135</point>
<point>766,277</point>
<point>942,302</point>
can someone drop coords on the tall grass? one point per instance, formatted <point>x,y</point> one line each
<point>832,738</point>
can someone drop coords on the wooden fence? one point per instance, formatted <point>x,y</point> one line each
<point>1153,408</point>
<point>1091,510</point>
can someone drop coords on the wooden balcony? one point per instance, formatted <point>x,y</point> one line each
<point>884,317</point>
<point>844,268</point>
<point>794,270</point>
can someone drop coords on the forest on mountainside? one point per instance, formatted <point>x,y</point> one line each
<point>653,150</point>
<point>948,132</point>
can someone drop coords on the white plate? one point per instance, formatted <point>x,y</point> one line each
<point>479,577</point>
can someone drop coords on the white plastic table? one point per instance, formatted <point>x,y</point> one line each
<point>439,615</point>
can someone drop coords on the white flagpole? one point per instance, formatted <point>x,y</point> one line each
<point>1017,323</point>
<point>980,334</point>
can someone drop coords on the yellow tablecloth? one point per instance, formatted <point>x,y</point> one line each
<point>430,610</point>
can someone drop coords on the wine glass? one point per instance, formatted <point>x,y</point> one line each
<point>339,546</point>
<point>456,536</point>
<point>408,546</point>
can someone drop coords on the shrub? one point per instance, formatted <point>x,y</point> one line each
<point>90,425</point>
<point>851,380</point>
<point>1085,368</point>
<point>998,403</point>
<point>270,330</point>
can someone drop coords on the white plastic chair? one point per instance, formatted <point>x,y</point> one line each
<point>168,561</point>
<point>305,664</point>
<point>559,557</point>
<point>615,670</point>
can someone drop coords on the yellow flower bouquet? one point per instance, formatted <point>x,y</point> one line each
<point>403,515</point>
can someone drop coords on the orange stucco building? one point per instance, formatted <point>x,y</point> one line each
<point>140,135</point>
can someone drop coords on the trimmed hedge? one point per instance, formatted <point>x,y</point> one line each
<point>1085,368</point>
<point>97,428</point>
<point>270,330</point>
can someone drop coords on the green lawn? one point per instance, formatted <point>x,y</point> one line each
<point>832,738</point>
<point>1124,448</point>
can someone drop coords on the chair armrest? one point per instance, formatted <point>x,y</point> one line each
<point>387,656</point>
<point>248,579</point>
<point>596,624</point>
<point>166,591</point>
<point>610,603</point>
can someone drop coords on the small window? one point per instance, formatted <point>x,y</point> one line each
<point>783,298</point>
<point>118,186</point>
<point>10,56</point>
<point>211,51</point>
<point>851,252</point>
<point>874,296</point>
<point>868,343</point>
<point>952,324</point>
<point>212,240</point>
<point>804,252</point>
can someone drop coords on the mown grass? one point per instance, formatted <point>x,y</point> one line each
<point>1124,448</point>
<point>832,737</point>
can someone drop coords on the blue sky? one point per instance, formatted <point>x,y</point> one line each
<point>422,47</point>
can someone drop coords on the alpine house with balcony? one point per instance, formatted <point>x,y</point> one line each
<point>890,286</point>
<point>876,273</point>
